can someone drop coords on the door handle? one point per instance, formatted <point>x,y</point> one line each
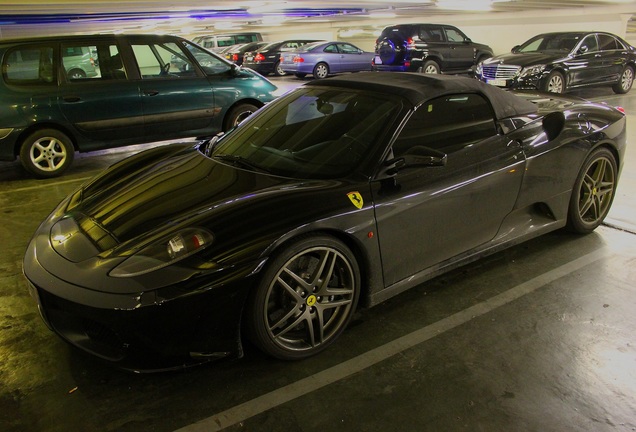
<point>71,99</point>
<point>151,92</point>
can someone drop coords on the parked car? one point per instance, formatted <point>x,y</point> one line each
<point>217,43</point>
<point>558,62</point>
<point>427,48</point>
<point>235,53</point>
<point>146,88</point>
<point>325,58</point>
<point>266,59</point>
<point>352,187</point>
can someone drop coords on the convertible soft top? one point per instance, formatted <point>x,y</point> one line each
<point>418,88</point>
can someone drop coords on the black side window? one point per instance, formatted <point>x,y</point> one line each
<point>89,62</point>
<point>448,124</point>
<point>28,65</point>
<point>331,49</point>
<point>454,35</point>
<point>168,60</point>
<point>590,43</point>
<point>607,42</point>
<point>431,34</point>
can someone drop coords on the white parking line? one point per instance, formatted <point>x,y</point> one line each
<point>44,185</point>
<point>312,383</point>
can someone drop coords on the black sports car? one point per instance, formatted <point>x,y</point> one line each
<point>558,62</point>
<point>346,191</point>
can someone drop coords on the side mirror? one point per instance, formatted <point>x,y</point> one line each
<point>553,124</point>
<point>584,49</point>
<point>515,49</point>
<point>208,146</point>
<point>468,40</point>
<point>416,156</point>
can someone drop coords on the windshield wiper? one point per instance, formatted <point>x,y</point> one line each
<point>240,161</point>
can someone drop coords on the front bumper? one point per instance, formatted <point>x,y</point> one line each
<point>168,328</point>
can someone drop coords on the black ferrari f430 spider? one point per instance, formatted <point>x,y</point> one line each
<point>340,194</point>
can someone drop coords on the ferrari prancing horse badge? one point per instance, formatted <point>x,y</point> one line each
<point>356,199</point>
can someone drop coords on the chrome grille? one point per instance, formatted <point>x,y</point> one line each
<point>499,71</point>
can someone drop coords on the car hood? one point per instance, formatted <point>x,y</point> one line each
<point>525,59</point>
<point>152,195</point>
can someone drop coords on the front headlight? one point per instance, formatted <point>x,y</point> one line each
<point>164,252</point>
<point>478,69</point>
<point>532,70</point>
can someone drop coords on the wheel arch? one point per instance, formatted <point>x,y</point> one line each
<point>238,102</point>
<point>362,258</point>
<point>39,126</point>
<point>560,69</point>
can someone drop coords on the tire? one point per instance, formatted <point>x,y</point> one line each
<point>237,114</point>
<point>555,83</point>
<point>305,299</point>
<point>626,81</point>
<point>321,71</point>
<point>278,71</point>
<point>76,74</point>
<point>300,75</point>
<point>46,153</point>
<point>429,67</point>
<point>593,192</point>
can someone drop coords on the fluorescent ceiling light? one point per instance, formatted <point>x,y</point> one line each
<point>467,5</point>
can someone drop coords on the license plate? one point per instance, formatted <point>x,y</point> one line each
<point>499,82</point>
<point>377,60</point>
<point>250,58</point>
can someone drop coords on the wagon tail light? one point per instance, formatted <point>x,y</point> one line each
<point>299,59</point>
<point>620,109</point>
<point>164,252</point>
<point>259,57</point>
<point>235,57</point>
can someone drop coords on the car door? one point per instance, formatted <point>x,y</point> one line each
<point>585,64</point>
<point>176,96</point>
<point>429,214</point>
<point>613,55</point>
<point>435,40</point>
<point>351,58</point>
<point>100,103</point>
<point>462,53</point>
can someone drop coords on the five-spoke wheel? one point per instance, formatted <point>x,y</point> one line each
<point>306,297</point>
<point>46,153</point>
<point>593,191</point>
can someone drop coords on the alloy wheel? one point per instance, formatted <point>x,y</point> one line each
<point>310,299</point>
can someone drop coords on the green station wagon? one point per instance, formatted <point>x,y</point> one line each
<point>59,95</point>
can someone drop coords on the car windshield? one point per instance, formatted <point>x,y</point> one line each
<point>551,43</point>
<point>316,133</point>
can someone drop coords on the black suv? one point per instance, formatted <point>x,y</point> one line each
<point>427,48</point>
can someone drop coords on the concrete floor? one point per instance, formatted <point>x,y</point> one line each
<point>539,337</point>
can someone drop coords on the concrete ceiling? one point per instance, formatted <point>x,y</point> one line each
<point>35,17</point>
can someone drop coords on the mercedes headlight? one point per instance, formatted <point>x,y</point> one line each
<point>532,70</point>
